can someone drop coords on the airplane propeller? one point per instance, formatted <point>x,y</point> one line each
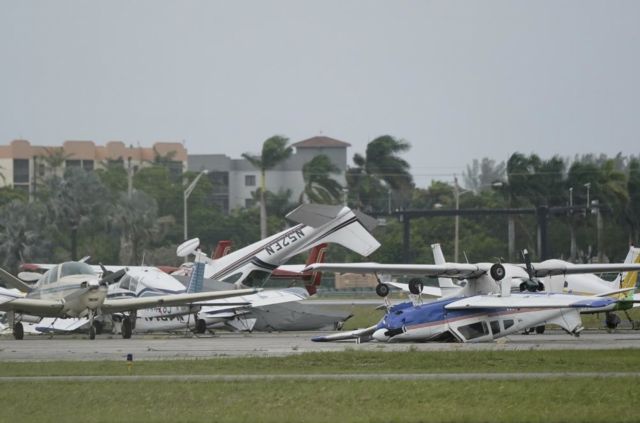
<point>109,277</point>
<point>532,284</point>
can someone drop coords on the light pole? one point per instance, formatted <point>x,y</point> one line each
<point>457,193</point>
<point>588,187</point>
<point>187,193</point>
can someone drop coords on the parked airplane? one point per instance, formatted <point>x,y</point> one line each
<point>73,289</point>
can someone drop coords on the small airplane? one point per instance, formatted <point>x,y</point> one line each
<point>317,224</point>
<point>73,289</point>
<point>579,284</point>
<point>484,308</point>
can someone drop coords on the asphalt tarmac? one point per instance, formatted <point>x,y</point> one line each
<point>164,347</point>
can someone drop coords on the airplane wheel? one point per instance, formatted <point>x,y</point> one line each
<point>92,332</point>
<point>497,272</point>
<point>18,331</point>
<point>612,321</point>
<point>126,328</point>
<point>201,326</point>
<point>415,286</point>
<point>99,327</point>
<point>540,329</point>
<point>382,290</point>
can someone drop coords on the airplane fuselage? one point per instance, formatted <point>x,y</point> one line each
<point>433,322</point>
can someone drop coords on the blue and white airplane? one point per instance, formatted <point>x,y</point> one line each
<point>483,309</point>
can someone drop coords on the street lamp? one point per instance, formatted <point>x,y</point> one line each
<point>457,192</point>
<point>187,193</point>
<point>588,187</point>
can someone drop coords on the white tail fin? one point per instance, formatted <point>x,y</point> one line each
<point>438,258</point>
<point>628,279</point>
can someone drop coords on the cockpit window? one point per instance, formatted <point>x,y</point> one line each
<point>256,278</point>
<point>50,276</point>
<point>75,268</point>
<point>125,281</point>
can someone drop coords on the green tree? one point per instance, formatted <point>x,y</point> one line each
<point>23,234</point>
<point>274,151</point>
<point>381,171</point>
<point>319,187</point>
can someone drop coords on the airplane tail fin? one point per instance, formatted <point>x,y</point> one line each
<point>438,258</point>
<point>196,280</point>
<point>313,279</point>
<point>628,279</point>
<point>222,249</point>
<point>343,227</point>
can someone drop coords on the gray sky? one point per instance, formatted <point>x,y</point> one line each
<point>457,79</point>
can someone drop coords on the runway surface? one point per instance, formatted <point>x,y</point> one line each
<point>159,347</point>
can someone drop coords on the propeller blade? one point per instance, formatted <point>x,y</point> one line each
<point>112,277</point>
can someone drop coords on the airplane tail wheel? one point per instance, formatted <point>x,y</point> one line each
<point>540,329</point>
<point>126,328</point>
<point>415,286</point>
<point>201,326</point>
<point>497,272</point>
<point>92,332</point>
<point>382,290</point>
<point>18,331</point>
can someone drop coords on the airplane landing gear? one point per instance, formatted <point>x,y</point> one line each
<point>611,321</point>
<point>382,290</point>
<point>126,327</point>
<point>201,326</point>
<point>18,331</point>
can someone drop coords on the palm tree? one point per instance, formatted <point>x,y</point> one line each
<point>380,166</point>
<point>319,187</point>
<point>274,151</point>
<point>23,228</point>
<point>136,217</point>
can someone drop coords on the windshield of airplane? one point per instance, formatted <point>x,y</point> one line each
<point>75,268</point>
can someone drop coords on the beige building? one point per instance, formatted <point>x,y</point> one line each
<point>22,164</point>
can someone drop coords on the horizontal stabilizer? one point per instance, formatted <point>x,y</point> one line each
<point>314,215</point>
<point>341,336</point>
<point>13,282</point>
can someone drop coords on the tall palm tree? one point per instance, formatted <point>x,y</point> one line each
<point>380,166</point>
<point>319,187</point>
<point>274,151</point>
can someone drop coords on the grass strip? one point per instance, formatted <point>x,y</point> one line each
<point>570,400</point>
<point>352,361</point>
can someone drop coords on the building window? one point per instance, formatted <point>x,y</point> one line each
<point>250,180</point>
<point>73,163</point>
<point>20,171</point>
<point>87,165</point>
<point>249,202</point>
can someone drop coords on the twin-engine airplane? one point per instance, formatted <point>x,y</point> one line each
<point>73,289</point>
<point>484,308</point>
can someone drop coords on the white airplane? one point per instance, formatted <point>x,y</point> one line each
<point>318,224</point>
<point>570,283</point>
<point>73,289</point>
<point>473,312</point>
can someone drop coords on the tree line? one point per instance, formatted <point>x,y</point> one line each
<point>117,216</point>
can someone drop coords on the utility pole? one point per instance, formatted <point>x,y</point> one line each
<point>456,193</point>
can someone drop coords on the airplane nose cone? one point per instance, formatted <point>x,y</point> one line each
<point>380,335</point>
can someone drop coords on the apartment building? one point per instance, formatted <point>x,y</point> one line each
<point>234,180</point>
<point>22,164</point>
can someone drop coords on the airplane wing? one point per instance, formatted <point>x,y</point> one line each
<point>128,304</point>
<point>530,301</point>
<point>550,269</point>
<point>61,325</point>
<point>260,299</point>
<point>341,336</point>
<point>454,270</point>
<point>13,282</point>
<point>432,291</point>
<point>12,301</point>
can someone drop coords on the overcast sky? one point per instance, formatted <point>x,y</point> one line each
<point>457,79</point>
